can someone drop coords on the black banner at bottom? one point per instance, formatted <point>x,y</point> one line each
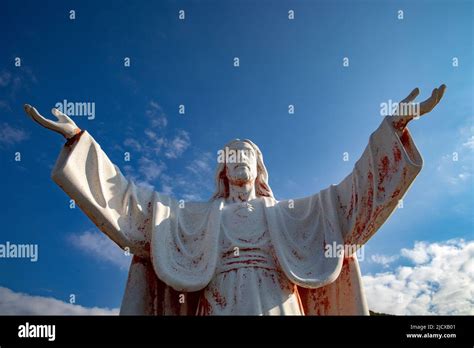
<point>134,331</point>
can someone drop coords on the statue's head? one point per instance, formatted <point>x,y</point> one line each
<point>240,162</point>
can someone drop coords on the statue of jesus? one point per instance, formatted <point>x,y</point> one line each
<point>243,252</point>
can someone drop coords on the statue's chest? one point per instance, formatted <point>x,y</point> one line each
<point>244,240</point>
<point>244,220</point>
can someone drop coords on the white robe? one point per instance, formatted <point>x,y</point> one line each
<point>176,249</point>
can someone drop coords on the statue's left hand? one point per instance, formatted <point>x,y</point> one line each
<point>64,125</point>
<point>407,110</point>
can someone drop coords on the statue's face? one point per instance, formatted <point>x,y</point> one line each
<point>244,169</point>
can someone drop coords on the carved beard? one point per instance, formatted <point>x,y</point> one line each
<point>241,180</point>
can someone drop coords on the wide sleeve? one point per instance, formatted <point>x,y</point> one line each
<point>116,205</point>
<point>366,197</point>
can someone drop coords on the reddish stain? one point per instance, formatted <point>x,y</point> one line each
<point>400,124</point>
<point>384,168</point>
<point>205,307</point>
<point>232,251</point>
<point>220,300</point>
<point>351,207</point>
<point>405,139</point>
<point>397,154</point>
<point>321,301</point>
<point>404,174</point>
<point>341,206</point>
<point>143,227</point>
<point>363,217</point>
<point>245,262</point>
<point>74,138</point>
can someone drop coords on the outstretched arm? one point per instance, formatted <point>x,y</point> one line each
<point>120,209</point>
<point>388,166</point>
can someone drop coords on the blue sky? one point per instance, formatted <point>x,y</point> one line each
<point>190,62</point>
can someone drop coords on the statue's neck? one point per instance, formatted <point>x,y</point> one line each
<point>241,193</point>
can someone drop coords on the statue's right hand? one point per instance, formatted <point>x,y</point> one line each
<point>64,126</point>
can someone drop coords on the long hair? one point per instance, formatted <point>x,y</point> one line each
<point>262,189</point>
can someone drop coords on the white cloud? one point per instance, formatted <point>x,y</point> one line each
<point>178,145</point>
<point>456,168</point>
<point>155,147</point>
<point>469,143</point>
<point>132,143</point>
<point>440,281</point>
<point>166,189</point>
<point>150,169</point>
<point>157,116</point>
<point>17,303</point>
<point>202,164</point>
<point>191,197</point>
<point>101,247</point>
<point>419,254</point>
<point>14,82</point>
<point>155,143</point>
<point>383,260</point>
<point>10,135</point>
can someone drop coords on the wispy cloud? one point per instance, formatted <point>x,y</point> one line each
<point>12,82</point>
<point>133,143</point>
<point>469,144</point>
<point>156,115</point>
<point>195,179</point>
<point>155,147</point>
<point>17,303</point>
<point>202,165</point>
<point>149,169</point>
<point>10,135</point>
<point>384,260</point>
<point>177,145</point>
<point>99,246</point>
<point>439,281</point>
<point>456,168</point>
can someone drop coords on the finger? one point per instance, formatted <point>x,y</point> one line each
<point>411,96</point>
<point>37,117</point>
<point>60,116</point>
<point>441,90</point>
<point>429,103</point>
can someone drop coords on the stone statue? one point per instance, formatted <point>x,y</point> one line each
<point>243,252</point>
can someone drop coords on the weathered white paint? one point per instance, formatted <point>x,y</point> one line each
<point>243,252</point>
